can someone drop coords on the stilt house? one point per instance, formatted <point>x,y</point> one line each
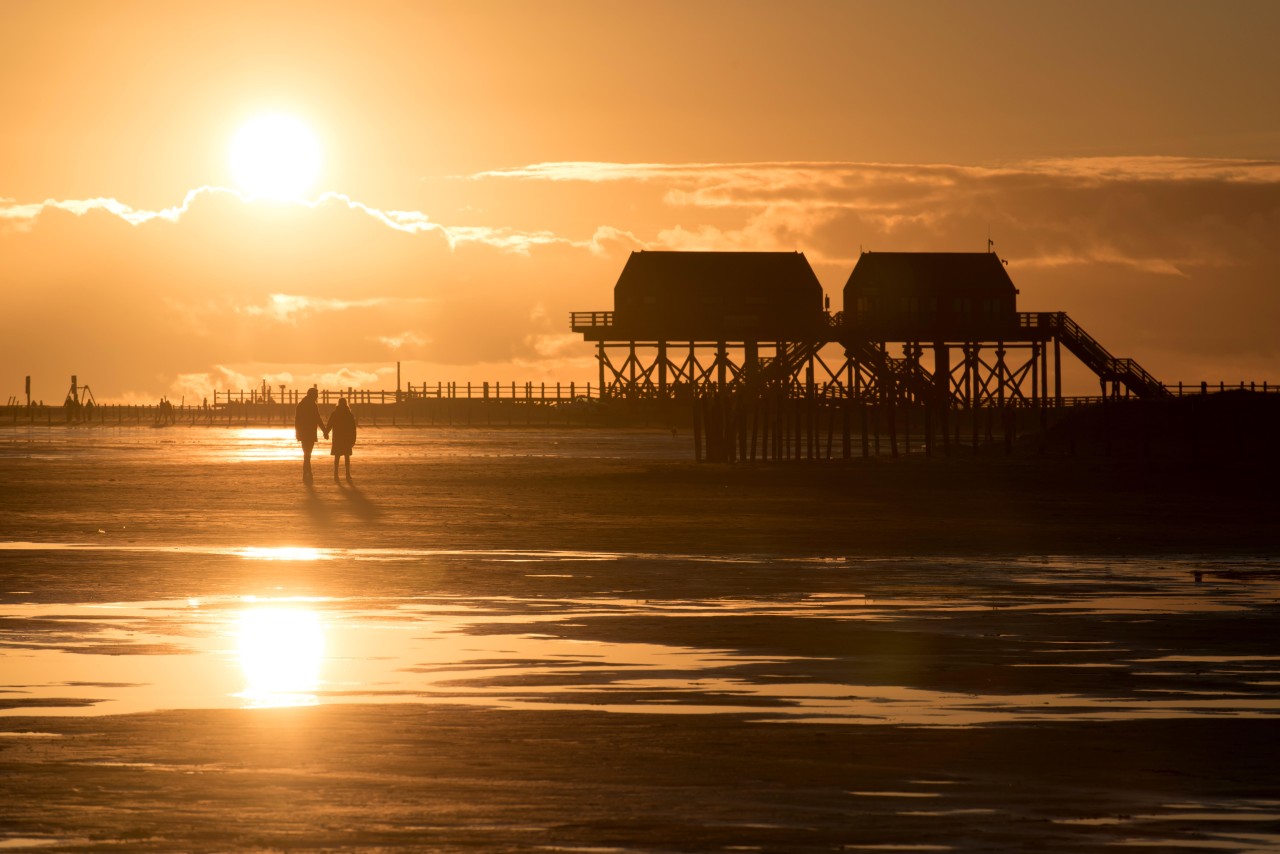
<point>717,296</point>
<point>930,296</point>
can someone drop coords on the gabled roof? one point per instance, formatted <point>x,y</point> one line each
<point>930,271</point>
<point>716,272</point>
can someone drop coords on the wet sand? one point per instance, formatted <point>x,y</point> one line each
<point>1090,692</point>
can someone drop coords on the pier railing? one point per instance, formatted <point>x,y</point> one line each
<point>582,321</point>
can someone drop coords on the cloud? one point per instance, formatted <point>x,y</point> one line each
<point>24,213</point>
<point>25,216</point>
<point>790,175</point>
<point>555,345</point>
<point>288,308</point>
<point>785,205</point>
<point>194,387</point>
<point>1170,260</point>
<point>352,378</point>
<point>1174,257</point>
<point>197,386</point>
<point>1161,169</point>
<point>403,340</point>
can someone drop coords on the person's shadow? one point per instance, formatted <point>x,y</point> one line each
<point>360,504</point>
<point>314,505</point>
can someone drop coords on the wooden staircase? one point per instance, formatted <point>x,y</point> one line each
<point>1086,348</point>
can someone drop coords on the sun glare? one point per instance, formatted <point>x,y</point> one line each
<point>281,650</point>
<point>283,553</point>
<point>275,157</point>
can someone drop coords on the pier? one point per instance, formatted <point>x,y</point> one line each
<point>929,352</point>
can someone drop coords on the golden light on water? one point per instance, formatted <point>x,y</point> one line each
<point>281,653</point>
<point>283,553</point>
<point>262,444</point>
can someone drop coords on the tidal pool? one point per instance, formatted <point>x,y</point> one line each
<point>909,642</point>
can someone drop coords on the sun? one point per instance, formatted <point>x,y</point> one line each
<point>275,157</point>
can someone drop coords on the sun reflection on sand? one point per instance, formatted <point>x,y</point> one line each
<point>281,652</point>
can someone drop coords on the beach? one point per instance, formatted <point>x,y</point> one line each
<point>580,639</point>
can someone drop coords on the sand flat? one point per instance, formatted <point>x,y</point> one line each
<point>534,640</point>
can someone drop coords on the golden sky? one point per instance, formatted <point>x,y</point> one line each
<point>484,169</point>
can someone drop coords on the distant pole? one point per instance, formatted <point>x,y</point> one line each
<point>28,390</point>
<point>397,382</point>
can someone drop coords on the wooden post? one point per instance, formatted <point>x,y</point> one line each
<point>893,423</point>
<point>810,397</point>
<point>831,427</point>
<point>600,359</point>
<point>906,428</point>
<point>755,425</point>
<point>766,403</point>
<point>928,428</point>
<point>866,439</point>
<point>662,370</point>
<point>942,390</point>
<point>1073,421</point>
<point>795,428</point>
<point>1044,384</point>
<point>697,428</point>
<point>846,438</point>
<point>1106,426</point>
<point>1057,372</point>
<point>973,426</point>
<point>877,423</point>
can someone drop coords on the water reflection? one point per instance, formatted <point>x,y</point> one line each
<point>832,655</point>
<point>257,444</point>
<point>284,553</point>
<point>281,652</point>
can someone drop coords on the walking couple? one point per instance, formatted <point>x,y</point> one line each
<point>342,424</point>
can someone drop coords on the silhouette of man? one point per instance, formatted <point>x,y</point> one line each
<point>342,424</point>
<point>306,421</point>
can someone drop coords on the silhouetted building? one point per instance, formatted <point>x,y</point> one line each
<point>930,296</point>
<point>717,296</point>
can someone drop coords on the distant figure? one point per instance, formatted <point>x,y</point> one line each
<point>342,424</point>
<point>306,421</point>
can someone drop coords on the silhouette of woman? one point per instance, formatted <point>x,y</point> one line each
<point>306,421</point>
<point>342,423</point>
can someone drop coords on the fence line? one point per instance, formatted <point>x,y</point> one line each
<point>455,404</point>
<point>542,392</point>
